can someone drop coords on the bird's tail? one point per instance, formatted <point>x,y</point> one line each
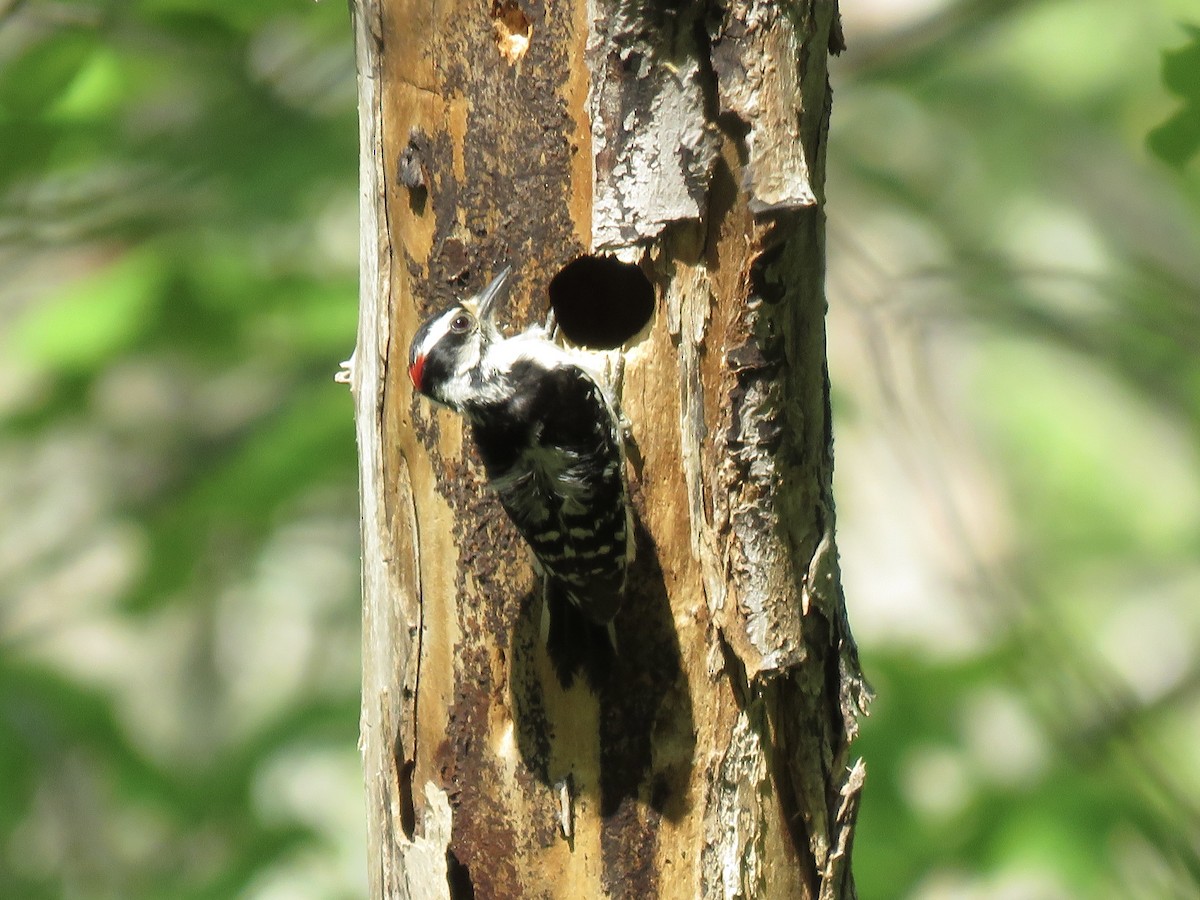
<point>574,642</point>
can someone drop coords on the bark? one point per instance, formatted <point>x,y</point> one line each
<point>688,138</point>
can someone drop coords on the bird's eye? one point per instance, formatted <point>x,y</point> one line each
<point>460,323</point>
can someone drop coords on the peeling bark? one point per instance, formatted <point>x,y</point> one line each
<point>714,762</point>
<point>647,96</point>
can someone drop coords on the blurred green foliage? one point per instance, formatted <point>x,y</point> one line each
<point>1014,321</point>
<point>178,250</point>
<point>1016,281</point>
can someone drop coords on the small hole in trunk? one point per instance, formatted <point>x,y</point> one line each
<point>600,302</point>
<point>512,29</point>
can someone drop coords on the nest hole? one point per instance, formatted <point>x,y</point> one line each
<point>512,29</point>
<point>600,302</point>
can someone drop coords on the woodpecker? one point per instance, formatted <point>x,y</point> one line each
<point>550,441</point>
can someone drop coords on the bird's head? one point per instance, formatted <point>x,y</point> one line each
<point>449,347</point>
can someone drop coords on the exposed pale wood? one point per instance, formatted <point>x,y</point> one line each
<point>715,762</point>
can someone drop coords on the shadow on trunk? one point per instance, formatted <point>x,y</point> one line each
<point>646,730</point>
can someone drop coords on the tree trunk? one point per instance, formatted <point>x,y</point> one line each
<point>713,761</point>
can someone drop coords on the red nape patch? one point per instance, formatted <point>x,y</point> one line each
<point>416,370</point>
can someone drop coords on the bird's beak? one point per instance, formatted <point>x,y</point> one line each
<point>493,292</point>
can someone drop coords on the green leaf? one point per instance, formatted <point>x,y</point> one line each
<point>1181,68</point>
<point>96,91</point>
<point>1177,140</point>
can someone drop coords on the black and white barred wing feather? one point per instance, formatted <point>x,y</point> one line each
<point>562,482</point>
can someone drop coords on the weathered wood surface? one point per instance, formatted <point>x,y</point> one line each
<point>687,138</point>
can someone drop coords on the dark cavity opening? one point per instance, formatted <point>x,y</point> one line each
<point>458,878</point>
<point>600,302</point>
<point>408,813</point>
